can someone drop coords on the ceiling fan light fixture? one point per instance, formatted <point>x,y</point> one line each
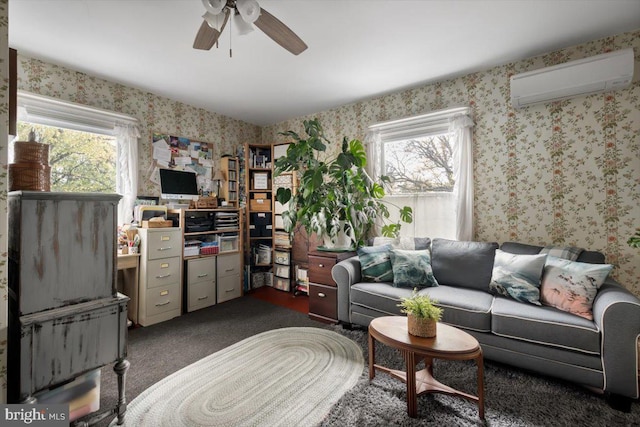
<point>249,10</point>
<point>214,21</point>
<point>242,27</point>
<point>214,6</point>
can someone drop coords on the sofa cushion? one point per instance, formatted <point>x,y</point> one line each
<point>544,325</point>
<point>592,257</point>
<point>375,263</point>
<point>383,297</point>
<point>412,268</point>
<point>517,276</point>
<point>466,308</point>
<point>572,286</point>
<point>463,264</point>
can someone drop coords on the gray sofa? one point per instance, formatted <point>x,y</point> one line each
<point>601,354</point>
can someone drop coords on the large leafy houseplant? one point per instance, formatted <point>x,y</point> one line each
<point>335,193</point>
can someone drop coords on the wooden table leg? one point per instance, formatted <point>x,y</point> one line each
<point>412,398</point>
<point>372,357</point>
<point>120,369</point>
<point>480,364</point>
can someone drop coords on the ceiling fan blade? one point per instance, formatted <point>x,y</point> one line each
<point>207,36</point>
<point>280,33</point>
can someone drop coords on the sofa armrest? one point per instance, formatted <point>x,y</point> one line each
<point>345,273</point>
<point>616,311</point>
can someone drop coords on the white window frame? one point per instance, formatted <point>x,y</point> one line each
<point>430,124</point>
<point>45,110</point>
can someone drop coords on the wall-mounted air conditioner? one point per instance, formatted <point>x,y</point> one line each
<point>600,73</point>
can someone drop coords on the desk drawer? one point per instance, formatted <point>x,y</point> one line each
<point>320,270</point>
<point>229,287</point>
<point>201,295</point>
<point>164,243</point>
<point>228,265</point>
<point>323,301</point>
<point>163,299</point>
<point>163,271</point>
<point>201,270</point>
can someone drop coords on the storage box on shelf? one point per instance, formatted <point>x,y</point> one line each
<point>207,235</point>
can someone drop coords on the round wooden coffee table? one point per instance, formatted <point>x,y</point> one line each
<point>449,344</point>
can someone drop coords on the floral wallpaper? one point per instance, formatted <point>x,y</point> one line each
<point>154,113</point>
<point>4,131</point>
<point>566,173</point>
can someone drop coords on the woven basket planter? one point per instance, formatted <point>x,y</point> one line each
<point>421,327</point>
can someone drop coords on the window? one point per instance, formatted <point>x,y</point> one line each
<point>428,162</point>
<point>91,150</point>
<point>80,161</point>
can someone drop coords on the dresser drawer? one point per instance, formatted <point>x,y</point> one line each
<point>201,295</point>
<point>320,270</point>
<point>229,287</point>
<point>164,243</point>
<point>163,299</point>
<point>323,302</point>
<point>228,265</point>
<point>201,270</point>
<point>162,271</point>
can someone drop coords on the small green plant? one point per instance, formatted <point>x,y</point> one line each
<point>634,241</point>
<point>421,306</point>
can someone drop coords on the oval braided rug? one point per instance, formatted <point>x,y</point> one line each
<point>283,377</point>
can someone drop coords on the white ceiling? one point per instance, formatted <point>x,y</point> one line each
<point>357,49</point>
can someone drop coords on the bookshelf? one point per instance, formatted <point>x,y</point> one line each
<point>229,190</point>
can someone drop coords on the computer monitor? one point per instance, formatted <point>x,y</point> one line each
<point>178,185</point>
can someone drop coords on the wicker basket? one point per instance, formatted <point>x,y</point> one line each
<point>421,327</point>
<point>29,176</point>
<point>30,152</point>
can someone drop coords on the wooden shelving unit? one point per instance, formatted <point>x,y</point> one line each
<point>259,214</point>
<point>230,188</point>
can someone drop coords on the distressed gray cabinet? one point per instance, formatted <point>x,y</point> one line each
<point>65,316</point>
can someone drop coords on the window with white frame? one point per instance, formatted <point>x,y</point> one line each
<point>428,162</point>
<point>91,150</point>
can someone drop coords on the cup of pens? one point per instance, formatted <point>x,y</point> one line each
<point>134,244</point>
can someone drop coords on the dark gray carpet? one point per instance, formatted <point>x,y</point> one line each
<point>512,397</point>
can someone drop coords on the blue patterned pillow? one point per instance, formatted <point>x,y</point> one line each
<point>412,269</point>
<point>518,276</point>
<point>375,264</point>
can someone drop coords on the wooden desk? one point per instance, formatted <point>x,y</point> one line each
<point>128,264</point>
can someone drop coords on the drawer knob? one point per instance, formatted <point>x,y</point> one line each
<point>229,269</point>
<point>162,276</point>
<point>320,265</point>
<point>163,303</point>
<point>321,294</point>
<point>204,297</point>
<point>203,275</point>
<point>164,249</point>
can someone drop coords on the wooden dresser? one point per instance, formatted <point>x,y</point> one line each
<point>323,293</point>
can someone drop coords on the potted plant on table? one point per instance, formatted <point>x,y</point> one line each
<point>422,314</point>
<point>336,196</point>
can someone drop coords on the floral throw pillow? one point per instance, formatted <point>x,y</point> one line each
<point>375,264</point>
<point>517,276</point>
<point>412,269</point>
<point>572,286</point>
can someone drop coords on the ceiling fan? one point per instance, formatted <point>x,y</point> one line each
<point>243,13</point>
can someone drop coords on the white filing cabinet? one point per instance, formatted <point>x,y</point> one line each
<point>160,292</point>
<point>229,274</point>
<point>201,283</point>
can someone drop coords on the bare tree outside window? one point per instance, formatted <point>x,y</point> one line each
<point>419,165</point>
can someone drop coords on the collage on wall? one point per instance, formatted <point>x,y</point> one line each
<point>179,153</point>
